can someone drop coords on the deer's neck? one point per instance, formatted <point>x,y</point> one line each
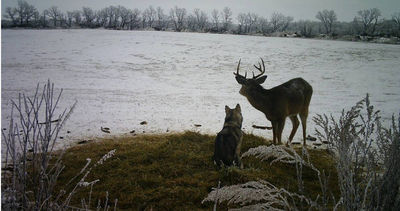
<point>258,97</point>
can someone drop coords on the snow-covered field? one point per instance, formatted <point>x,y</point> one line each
<point>176,80</point>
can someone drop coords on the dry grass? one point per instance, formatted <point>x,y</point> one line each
<point>175,171</point>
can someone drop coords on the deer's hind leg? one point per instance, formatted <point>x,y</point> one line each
<point>280,126</point>
<point>295,123</point>
<point>303,118</point>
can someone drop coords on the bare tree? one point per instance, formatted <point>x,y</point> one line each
<point>20,11</point>
<point>215,19</point>
<point>105,15</point>
<point>54,13</point>
<point>102,17</point>
<point>201,18</point>
<point>279,22</point>
<point>191,22</point>
<point>149,15</point>
<point>276,19</point>
<point>252,20</point>
<point>262,25</point>
<point>43,19</point>
<point>24,12</point>
<point>29,11</point>
<point>63,20</point>
<point>396,20</point>
<point>328,18</point>
<point>386,27</point>
<point>226,18</point>
<point>77,16</point>
<point>161,19</point>
<point>36,18</point>
<point>124,14</point>
<point>286,23</point>
<point>242,23</point>
<point>20,15</point>
<point>116,11</point>
<point>368,19</point>
<point>110,16</point>
<point>89,16</point>
<point>177,16</point>
<point>134,19</point>
<point>11,14</point>
<point>305,27</point>
<point>70,17</point>
<point>248,22</point>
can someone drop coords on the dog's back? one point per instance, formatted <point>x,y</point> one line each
<point>229,139</point>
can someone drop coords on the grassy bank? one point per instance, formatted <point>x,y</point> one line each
<point>175,171</point>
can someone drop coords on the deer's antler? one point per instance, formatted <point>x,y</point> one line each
<point>261,69</point>
<point>237,71</point>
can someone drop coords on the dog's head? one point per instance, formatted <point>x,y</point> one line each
<point>234,115</point>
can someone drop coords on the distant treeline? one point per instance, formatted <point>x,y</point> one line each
<point>366,24</point>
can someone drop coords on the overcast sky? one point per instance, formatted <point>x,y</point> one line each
<point>299,9</point>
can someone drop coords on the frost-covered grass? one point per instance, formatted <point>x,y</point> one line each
<point>175,171</point>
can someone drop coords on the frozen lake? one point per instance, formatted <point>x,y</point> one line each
<point>175,80</point>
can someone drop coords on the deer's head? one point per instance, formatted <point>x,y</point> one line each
<point>250,84</point>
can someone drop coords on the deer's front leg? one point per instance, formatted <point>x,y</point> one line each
<point>274,131</point>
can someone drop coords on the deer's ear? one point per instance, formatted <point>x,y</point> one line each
<point>238,108</point>
<point>227,109</point>
<point>261,79</point>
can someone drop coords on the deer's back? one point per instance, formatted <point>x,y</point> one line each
<point>295,86</point>
<point>291,97</point>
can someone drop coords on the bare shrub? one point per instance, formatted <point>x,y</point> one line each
<point>368,157</point>
<point>31,167</point>
<point>386,193</point>
<point>30,142</point>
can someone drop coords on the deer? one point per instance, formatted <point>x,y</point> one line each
<point>289,99</point>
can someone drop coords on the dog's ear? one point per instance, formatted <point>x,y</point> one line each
<point>238,108</point>
<point>227,109</point>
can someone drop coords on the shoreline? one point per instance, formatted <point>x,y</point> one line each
<point>348,38</point>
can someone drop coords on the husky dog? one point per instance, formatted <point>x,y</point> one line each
<point>229,139</point>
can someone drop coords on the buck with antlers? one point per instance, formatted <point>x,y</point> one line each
<point>286,100</point>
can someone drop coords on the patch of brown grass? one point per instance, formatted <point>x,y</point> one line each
<point>175,171</point>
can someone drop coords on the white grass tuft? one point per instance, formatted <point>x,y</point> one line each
<point>255,195</point>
